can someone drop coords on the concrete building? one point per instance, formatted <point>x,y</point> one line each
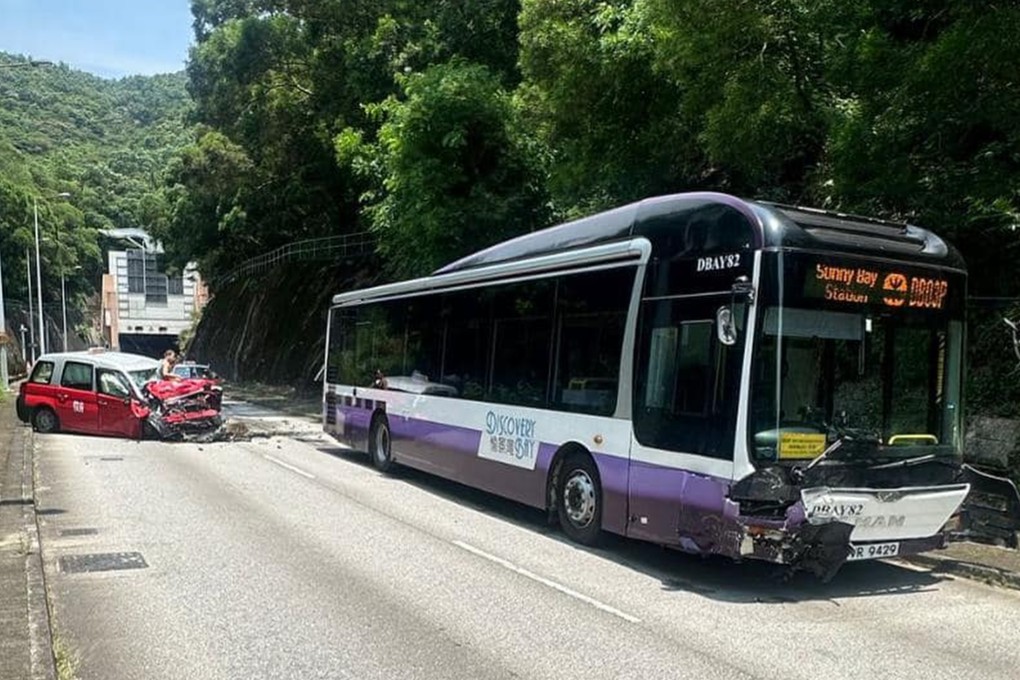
<point>143,309</point>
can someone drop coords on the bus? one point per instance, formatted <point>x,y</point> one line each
<point>718,375</point>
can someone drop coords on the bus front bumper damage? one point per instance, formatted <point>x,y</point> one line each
<point>827,527</point>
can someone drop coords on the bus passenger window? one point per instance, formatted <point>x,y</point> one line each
<point>592,313</point>
<point>522,337</point>
<point>465,325</point>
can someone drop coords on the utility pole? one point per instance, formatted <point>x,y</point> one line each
<point>4,377</point>
<point>38,280</point>
<point>31,313</point>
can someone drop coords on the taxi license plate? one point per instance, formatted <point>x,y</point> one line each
<point>873,551</point>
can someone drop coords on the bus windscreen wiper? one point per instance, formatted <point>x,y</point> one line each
<point>906,462</point>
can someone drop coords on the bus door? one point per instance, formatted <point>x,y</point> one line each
<point>686,388</point>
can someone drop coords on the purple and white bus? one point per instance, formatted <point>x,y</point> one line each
<point>705,372</point>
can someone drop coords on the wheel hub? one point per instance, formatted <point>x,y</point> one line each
<point>579,498</point>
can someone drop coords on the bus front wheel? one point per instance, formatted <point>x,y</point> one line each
<point>379,445</point>
<point>579,499</point>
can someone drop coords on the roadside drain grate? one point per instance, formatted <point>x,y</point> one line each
<point>79,532</point>
<point>111,458</point>
<point>80,564</point>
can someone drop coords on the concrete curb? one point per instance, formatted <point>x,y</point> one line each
<point>969,570</point>
<point>40,629</point>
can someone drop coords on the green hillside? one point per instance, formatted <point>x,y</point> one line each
<point>104,142</point>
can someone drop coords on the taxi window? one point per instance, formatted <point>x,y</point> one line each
<point>112,383</point>
<point>77,376</point>
<point>42,373</point>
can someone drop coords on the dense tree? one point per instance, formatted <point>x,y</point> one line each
<point>105,142</point>
<point>454,174</point>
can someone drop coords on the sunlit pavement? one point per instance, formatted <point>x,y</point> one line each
<point>290,557</point>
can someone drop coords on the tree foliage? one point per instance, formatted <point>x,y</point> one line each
<point>453,172</point>
<point>103,142</point>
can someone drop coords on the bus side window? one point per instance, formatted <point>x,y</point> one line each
<point>591,310</point>
<point>522,337</point>
<point>686,381</point>
<point>465,320</point>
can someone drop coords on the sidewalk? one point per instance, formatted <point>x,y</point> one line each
<point>26,650</point>
<point>987,563</point>
<point>280,398</point>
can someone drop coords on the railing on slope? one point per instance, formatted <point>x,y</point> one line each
<point>323,248</point>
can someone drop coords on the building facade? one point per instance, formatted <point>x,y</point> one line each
<point>144,309</point>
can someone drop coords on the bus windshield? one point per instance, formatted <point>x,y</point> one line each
<point>843,362</point>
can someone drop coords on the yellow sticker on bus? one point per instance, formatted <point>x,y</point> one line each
<point>800,445</point>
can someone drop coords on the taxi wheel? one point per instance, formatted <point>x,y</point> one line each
<point>45,420</point>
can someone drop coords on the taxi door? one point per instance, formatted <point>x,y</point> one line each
<point>76,399</point>
<point>114,400</point>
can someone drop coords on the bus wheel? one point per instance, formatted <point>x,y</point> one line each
<point>45,420</point>
<point>579,499</point>
<point>379,445</point>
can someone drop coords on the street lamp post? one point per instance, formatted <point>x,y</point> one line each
<point>63,306</point>
<point>38,276</point>
<point>31,312</point>
<point>3,330</point>
<point>38,279</point>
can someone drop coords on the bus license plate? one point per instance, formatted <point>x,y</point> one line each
<point>873,551</point>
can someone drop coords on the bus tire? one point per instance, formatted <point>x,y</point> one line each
<point>45,421</point>
<point>579,499</point>
<point>380,446</point>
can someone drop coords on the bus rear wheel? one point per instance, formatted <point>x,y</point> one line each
<point>380,445</point>
<point>579,499</point>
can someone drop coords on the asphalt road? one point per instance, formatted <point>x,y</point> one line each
<point>292,558</point>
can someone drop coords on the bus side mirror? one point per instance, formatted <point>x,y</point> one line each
<point>728,318</point>
<point>725,326</point>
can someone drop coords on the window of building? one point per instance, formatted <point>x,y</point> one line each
<point>175,285</point>
<point>136,271</point>
<point>155,288</point>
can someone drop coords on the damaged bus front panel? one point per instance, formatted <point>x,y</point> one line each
<point>855,419</point>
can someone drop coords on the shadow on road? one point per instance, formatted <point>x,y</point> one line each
<point>717,578</point>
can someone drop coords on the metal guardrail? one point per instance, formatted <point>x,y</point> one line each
<point>323,248</point>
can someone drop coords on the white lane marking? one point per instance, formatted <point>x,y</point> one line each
<point>546,582</point>
<point>289,467</point>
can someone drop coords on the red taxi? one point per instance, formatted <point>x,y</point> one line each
<point>116,394</point>
<point>87,392</point>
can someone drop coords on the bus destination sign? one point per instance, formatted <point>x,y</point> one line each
<point>868,284</point>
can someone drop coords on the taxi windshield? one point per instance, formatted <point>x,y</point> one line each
<point>141,377</point>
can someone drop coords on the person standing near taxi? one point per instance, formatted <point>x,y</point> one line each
<point>166,367</point>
